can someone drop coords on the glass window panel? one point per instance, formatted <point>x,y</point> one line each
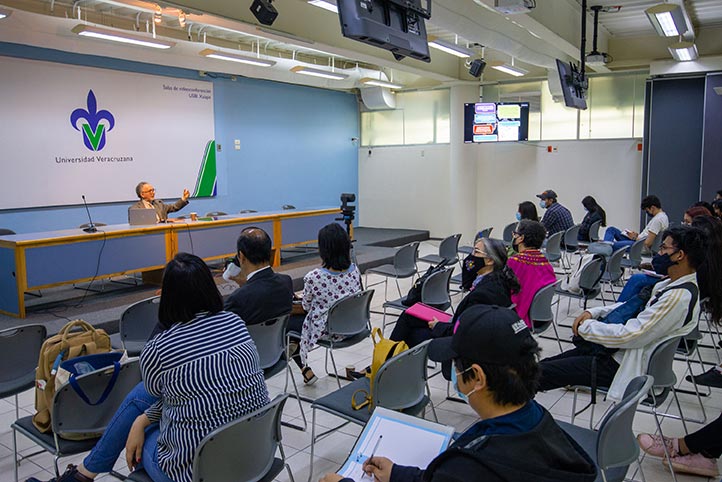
<point>640,82</point>
<point>611,107</point>
<point>424,113</point>
<point>557,120</point>
<point>382,128</point>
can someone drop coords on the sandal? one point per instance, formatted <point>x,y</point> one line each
<point>309,378</point>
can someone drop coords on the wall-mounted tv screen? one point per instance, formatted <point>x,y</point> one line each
<point>574,85</point>
<point>496,122</point>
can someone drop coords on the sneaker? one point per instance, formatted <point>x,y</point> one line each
<point>696,464</point>
<point>71,475</point>
<point>652,444</point>
<point>710,378</point>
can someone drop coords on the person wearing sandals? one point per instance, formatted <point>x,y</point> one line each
<point>335,279</point>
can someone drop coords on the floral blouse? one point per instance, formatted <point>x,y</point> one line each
<point>321,289</point>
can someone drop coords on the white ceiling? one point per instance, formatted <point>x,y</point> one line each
<point>532,40</point>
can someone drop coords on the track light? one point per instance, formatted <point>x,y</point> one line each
<point>4,13</point>
<point>325,74</point>
<point>241,59</point>
<point>510,69</point>
<point>331,7</point>
<point>667,19</point>
<point>451,48</point>
<point>684,51</point>
<point>380,83</point>
<point>120,36</point>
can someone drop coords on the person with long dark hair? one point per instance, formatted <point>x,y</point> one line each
<point>494,285</point>
<point>335,279</point>
<point>594,213</point>
<point>527,210</point>
<point>202,362</point>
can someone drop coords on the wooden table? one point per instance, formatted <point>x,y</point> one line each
<point>42,260</point>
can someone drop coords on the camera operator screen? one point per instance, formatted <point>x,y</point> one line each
<point>496,122</point>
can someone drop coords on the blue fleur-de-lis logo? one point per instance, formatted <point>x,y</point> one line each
<point>93,130</point>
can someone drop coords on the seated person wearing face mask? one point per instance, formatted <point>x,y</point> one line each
<point>671,311</point>
<point>557,217</point>
<point>652,206</point>
<point>495,369</point>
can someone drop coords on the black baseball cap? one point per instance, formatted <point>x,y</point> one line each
<point>486,334</point>
<point>548,194</point>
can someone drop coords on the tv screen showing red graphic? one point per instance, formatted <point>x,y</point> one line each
<point>496,122</point>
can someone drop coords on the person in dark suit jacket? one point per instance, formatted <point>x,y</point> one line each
<point>263,294</point>
<point>146,194</point>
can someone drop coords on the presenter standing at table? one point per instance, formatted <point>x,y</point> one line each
<point>146,193</point>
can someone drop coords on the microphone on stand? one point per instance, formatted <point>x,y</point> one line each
<point>91,226</point>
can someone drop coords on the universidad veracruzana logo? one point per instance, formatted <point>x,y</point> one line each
<point>94,131</point>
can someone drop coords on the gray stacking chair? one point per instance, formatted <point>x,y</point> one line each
<point>484,233</point>
<point>634,255</point>
<point>400,384</point>
<point>688,348</point>
<point>589,281</point>
<point>507,235</point>
<point>553,249</point>
<point>71,415</point>
<point>404,266</point>
<point>656,244</point>
<point>216,213</point>
<point>19,351</point>
<point>614,271</point>
<point>349,317</point>
<point>434,291</point>
<point>594,231</point>
<point>614,447</point>
<point>271,343</point>
<point>540,311</point>
<point>244,449</point>
<point>448,252</point>
<point>137,323</point>
<point>571,244</point>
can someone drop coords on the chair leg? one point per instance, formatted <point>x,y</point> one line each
<point>556,333</point>
<point>313,442</point>
<point>641,471</point>
<point>664,446</point>
<point>16,463</point>
<point>383,323</point>
<point>433,409</point>
<point>298,397</point>
<point>335,370</point>
<point>679,408</point>
<point>696,391</point>
<point>57,468</point>
<point>398,287</point>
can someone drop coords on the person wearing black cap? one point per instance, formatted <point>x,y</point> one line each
<point>557,217</point>
<point>496,370</point>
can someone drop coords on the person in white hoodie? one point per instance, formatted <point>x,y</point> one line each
<point>671,311</point>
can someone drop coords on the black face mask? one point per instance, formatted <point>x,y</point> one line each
<point>474,263</point>
<point>661,263</point>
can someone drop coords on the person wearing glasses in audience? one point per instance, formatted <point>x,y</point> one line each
<point>495,368</point>
<point>147,200</point>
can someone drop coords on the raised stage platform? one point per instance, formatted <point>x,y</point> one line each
<point>374,247</point>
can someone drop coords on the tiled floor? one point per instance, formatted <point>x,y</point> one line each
<point>331,451</point>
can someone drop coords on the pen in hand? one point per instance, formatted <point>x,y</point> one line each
<point>373,452</point>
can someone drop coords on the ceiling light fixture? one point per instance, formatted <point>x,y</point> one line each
<point>4,13</point>
<point>325,74</point>
<point>324,5</point>
<point>667,19</point>
<point>451,48</point>
<point>122,37</point>
<point>510,69</point>
<point>241,59</point>
<point>684,51</point>
<point>380,83</point>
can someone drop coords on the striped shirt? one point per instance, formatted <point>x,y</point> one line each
<point>206,373</point>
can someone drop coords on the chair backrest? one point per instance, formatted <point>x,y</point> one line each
<point>87,225</point>
<point>571,238</point>
<point>449,248</point>
<point>484,233</point>
<point>350,315</point>
<point>269,338</point>
<point>71,415</point>
<point>594,231</point>
<point>401,381</point>
<point>635,253</point>
<point>406,256</point>
<point>243,449</point>
<point>656,244</point>
<point>540,310</point>
<point>616,444</point>
<point>435,288</point>
<point>660,363</point>
<point>216,213</point>
<point>508,232</point>
<point>591,275</point>
<point>614,265</point>
<point>138,320</point>
<point>6,232</point>
<point>19,351</point>
<point>553,251</point>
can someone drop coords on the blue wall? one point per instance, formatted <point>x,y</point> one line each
<point>296,146</point>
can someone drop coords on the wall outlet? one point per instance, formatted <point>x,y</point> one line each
<point>237,144</point>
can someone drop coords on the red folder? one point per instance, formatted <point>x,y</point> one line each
<point>428,313</point>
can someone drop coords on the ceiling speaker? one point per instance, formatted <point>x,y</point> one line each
<point>477,68</point>
<point>264,11</point>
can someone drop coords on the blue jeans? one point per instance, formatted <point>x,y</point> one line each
<point>635,284</point>
<point>620,240</point>
<point>106,452</point>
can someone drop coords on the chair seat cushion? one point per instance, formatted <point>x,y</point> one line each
<point>436,259</point>
<point>275,369</point>
<point>587,439</point>
<point>141,475</point>
<point>17,386</point>
<point>397,304</point>
<point>349,341</point>
<point>47,441</point>
<point>390,271</point>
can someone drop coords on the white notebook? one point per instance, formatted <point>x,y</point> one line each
<point>404,439</point>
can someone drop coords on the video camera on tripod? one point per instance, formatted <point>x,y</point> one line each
<point>347,211</point>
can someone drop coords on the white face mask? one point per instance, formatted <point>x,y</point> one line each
<point>455,383</point>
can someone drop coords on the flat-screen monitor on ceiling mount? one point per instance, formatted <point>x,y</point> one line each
<point>496,122</point>
<point>574,85</point>
<point>395,25</point>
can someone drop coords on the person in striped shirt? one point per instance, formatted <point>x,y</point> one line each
<point>200,373</point>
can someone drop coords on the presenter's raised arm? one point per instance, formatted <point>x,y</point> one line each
<point>186,194</point>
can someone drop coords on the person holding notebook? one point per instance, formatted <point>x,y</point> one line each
<point>496,369</point>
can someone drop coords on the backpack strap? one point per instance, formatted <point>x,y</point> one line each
<point>693,290</point>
